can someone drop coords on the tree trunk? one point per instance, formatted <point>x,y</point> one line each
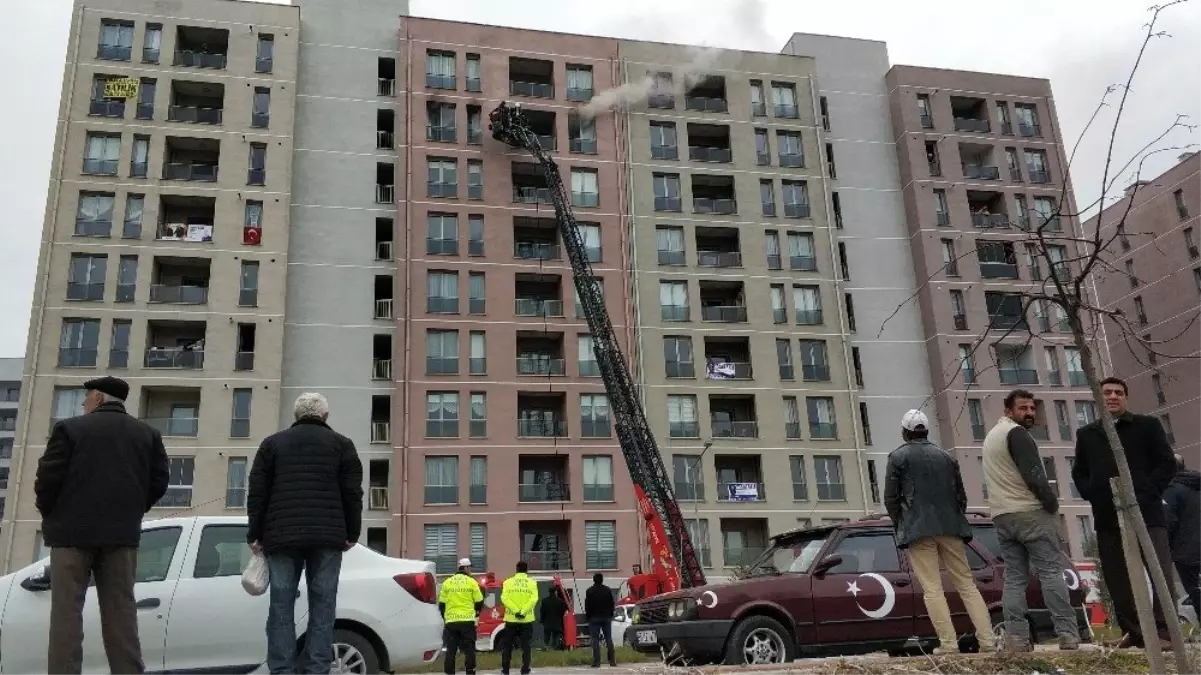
<point>1142,599</point>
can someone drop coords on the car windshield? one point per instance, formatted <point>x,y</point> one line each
<point>986,537</point>
<point>793,556</point>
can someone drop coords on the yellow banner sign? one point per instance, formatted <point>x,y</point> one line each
<point>123,87</point>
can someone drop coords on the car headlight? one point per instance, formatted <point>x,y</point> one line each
<point>680,609</point>
<point>634,616</point>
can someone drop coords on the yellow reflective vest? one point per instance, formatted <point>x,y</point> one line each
<point>519,595</point>
<point>459,595</point>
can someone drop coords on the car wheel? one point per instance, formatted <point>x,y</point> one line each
<point>759,640</point>
<point>353,654</point>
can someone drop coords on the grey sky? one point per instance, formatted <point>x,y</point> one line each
<point>1082,46</point>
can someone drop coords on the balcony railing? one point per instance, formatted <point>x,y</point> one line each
<point>383,308</point>
<point>179,294</point>
<point>701,153</point>
<point>385,140</point>
<point>705,104</point>
<point>972,172</point>
<point>263,64</point>
<point>101,167</point>
<point>174,426</point>
<point>537,365</point>
<point>926,121</point>
<point>441,494</point>
<point>671,258</point>
<point>1005,321</point>
<point>440,246</point>
<point>960,321</point>
<point>439,365</point>
<point>719,258</point>
<point>1039,177</point>
<point>441,134</point>
<point>533,89</point>
<point>723,492</point>
<point>174,357</point>
<point>661,101</point>
<point>473,84</point>
<point>1030,129</point>
<point>538,307</point>
<point>244,361</point>
<point>198,172</point>
<point>680,369</point>
<point>383,250</point>
<point>990,220</point>
<point>934,167</point>
<point>804,263</point>
<point>579,94</point>
<point>792,160</point>
<point>547,561</point>
<point>386,194</point>
<point>381,431</point>
<point>440,189</point>
<point>114,52</point>
<point>544,492</point>
<point>441,305</point>
<point>684,429</point>
<point>779,315</point>
<point>971,124</point>
<point>774,260</point>
<point>715,206</point>
<point>191,59</point>
<point>796,210</point>
<point>1077,378</point>
<point>597,492</point>
<point>386,87</point>
<point>85,291</point>
<point>194,114</point>
<point>439,81</point>
<point>792,430</point>
<point>532,195</point>
<point>817,372</point>
<point>377,497</point>
<point>667,204</point>
<point>585,146</point>
<point>724,313</point>
<point>589,368</point>
<point>72,357</point>
<point>118,358</point>
<point>665,152</point>
<point>586,199</point>
<point>823,430</point>
<point>786,110</point>
<point>739,429</point>
<point>541,428</point>
<point>106,108</point>
<point>808,317</point>
<point>758,109</point>
<point>1018,376</point>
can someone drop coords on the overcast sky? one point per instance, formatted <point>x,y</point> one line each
<point>1082,46</point>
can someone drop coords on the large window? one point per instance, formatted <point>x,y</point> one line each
<point>830,483</point>
<point>442,292</point>
<point>682,416</point>
<point>600,538</point>
<point>78,342</point>
<point>585,190</point>
<point>673,300</point>
<point>594,416</point>
<point>441,480</point>
<point>822,423</point>
<point>235,483</point>
<point>442,546</point>
<point>442,414</point>
<point>181,472</point>
<point>441,352</point>
<point>598,478</point>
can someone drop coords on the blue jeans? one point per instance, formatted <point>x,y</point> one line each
<point>1031,540</point>
<point>598,628</point>
<point>321,568</point>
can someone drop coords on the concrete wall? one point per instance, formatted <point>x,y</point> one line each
<point>10,391</point>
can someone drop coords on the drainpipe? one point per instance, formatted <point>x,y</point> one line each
<point>30,378</point>
<point>406,388</point>
<point>840,293</point>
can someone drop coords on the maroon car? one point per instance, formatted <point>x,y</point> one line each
<point>838,590</point>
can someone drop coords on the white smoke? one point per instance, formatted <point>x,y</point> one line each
<point>748,25</point>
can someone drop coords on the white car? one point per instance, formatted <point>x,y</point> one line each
<point>193,614</point>
<point>623,617</point>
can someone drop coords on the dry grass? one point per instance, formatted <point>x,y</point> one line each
<point>541,660</point>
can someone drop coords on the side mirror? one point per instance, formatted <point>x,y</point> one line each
<point>38,582</point>
<point>826,564</point>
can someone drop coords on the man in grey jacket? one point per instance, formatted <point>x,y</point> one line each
<point>931,521</point>
<point>1023,509</point>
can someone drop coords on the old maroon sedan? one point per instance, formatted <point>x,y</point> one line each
<point>838,590</point>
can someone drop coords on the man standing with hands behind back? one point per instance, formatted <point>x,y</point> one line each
<point>1152,466</point>
<point>519,595</point>
<point>100,474</point>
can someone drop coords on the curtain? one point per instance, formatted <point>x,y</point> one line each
<point>789,142</point>
<point>584,182</point>
<point>441,65</point>
<point>813,352</point>
<point>772,245</point>
<point>590,234</point>
<point>586,348</point>
<point>235,478</point>
<point>667,186</point>
<point>791,411</point>
<point>681,408</point>
<point>670,238</point>
<point>777,297</point>
<point>806,299</point>
<point>795,192</point>
<point>477,286</point>
<point>821,410</point>
<point>784,352</point>
<point>784,95</point>
<point>587,130</point>
<point>141,150</point>
<point>479,409</point>
<point>828,470</point>
<point>443,226</point>
<point>473,69</point>
<point>598,471</point>
<point>441,471</point>
<point>673,293</point>
<point>154,38</point>
<point>579,78</point>
<point>106,148</point>
<point>442,285</point>
<point>478,345</point>
<point>68,403</point>
<point>800,245</point>
<point>1073,358</point>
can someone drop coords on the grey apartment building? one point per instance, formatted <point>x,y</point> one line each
<point>10,396</point>
<point>308,199</point>
<point>1155,279</point>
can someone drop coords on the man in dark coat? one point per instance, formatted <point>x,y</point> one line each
<point>1182,508</point>
<point>1152,466</point>
<point>305,507</point>
<point>100,474</point>
<point>599,607</point>
<point>551,617</point>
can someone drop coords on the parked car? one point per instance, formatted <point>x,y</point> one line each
<point>836,590</point>
<point>623,618</point>
<point>193,614</point>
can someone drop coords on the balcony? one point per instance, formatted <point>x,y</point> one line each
<point>739,478</point>
<point>540,354</point>
<point>976,172</point>
<point>531,77</point>
<point>970,114</point>
<point>733,416</point>
<point>1039,176</point>
<point>1030,129</point>
<point>188,219</point>
<point>538,295</point>
<point>107,108</point>
<point>385,130</point>
<point>713,194</point>
<point>383,294</point>
<point>998,260</point>
<point>727,358</point>
<point>1005,311</point>
<point>743,540</point>
<point>723,301</point>
<point>196,102</point>
<point>180,281</point>
<point>709,143</point>
<point>543,479</point>
<point>707,95</point>
<point>1014,376</point>
<point>536,239</point>
<point>172,411</point>
<point>191,159</point>
<point>541,415</point>
<point>197,47</point>
<point>665,151</point>
<point>175,344</point>
<point>546,545</point>
<point>529,184</point>
<point>717,247</point>
<point>1077,378</point>
<point>542,123</point>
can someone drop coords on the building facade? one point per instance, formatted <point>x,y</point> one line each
<point>10,396</point>
<point>1155,279</point>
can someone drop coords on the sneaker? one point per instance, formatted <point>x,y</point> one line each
<point>1069,643</point>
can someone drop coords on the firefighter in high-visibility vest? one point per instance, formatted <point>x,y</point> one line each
<point>460,602</point>
<point>519,595</point>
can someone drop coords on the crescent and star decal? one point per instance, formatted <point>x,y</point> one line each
<point>712,600</point>
<point>1072,579</point>
<point>890,596</point>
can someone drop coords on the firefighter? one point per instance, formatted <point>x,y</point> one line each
<point>460,602</point>
<point>519,595</point>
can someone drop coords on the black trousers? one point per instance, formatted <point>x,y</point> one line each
<point>1117,578</point>
<point>598,629</point>
<point>554,638</point>
<point>459,635</point>
<point>1189,578</point>
<point>516,633</point>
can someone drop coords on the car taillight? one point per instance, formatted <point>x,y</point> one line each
<point>422,586</point>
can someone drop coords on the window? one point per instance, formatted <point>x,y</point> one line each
<point>442,234</point>
<point>442,292</point>
<point>682,416</point>
<point>758,106</point>
<point>153,43</point>
<point>824,108</point>
<point>698,533</point>
<point>958,309</point>
<point>808,303</point>
<point>441,352</point>
<point>579,83</point>
<point>784,99</point>
<point>670,242</point>
<point>594,416</point>
<point>443,178</point>
<point>1165,420</point>
<point>762,149</point>
<point>1086,413</point>
<point>792,152</point>
<point>440,70</point>
<point>584,188</point>
<point>590,234</point>
<point>830,485</point>
<point>118,350</point>
<point>235,484</point>
<point>581,134</point>
<point>767,198</point>
<point>478,425</point>
<point>132,228</point>
<point>849,301</point>
<point>677,357</point>
<point>865,421</point>
<point>667,191</point>
<point>102,154</point>
<point>598,478</point>
<point>180,472</point>
<point>116,40</point>
<point>248,291</point>
<point>240,414</point>
<point>1157,386</point>
<point>784,359</point>
<point>924,111</point>
<point>1036,166</point>
<point>477,361</point>
<point>1027,115</point>
<point>802,253</point>
<point>792,423</point>
<point>800,488</point>
<point>1003,117</point>
<point>222,552</point>
<point>77,343</point>
<point>771,248</point>
<point>975,412</point>
<point>815,363</point>
<point>264,58</point>
<point>664,143</point>
<point>950,261</point>
<point>686,477</point>
<point>442,547</point>
<point>1189,243</point>
<point>442,414</point>
<point>600,538</point>
<point>1181,207</point>
<point>477,302</point>
<point>8,422</point>
<point>795,194</point>
<point>586,356</point>
<point>1051,358</point>
<point>441,480</point>
<point>477,493</point>
<point>155,552</point>
<point>475,179</point>
<point>821,417</point>
<point>1011,160</point>
<point>673,300</point>
<point>67,403</point>
<point>474,74</point>
<point>479,545</point>
<point>85,277</point>
<point>257,172</point>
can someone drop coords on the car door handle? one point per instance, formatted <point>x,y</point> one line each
<point>901,582</point>
<point>148,603</point>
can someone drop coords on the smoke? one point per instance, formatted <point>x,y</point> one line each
<point>747,23</point>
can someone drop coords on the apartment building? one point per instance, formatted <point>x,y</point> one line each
<point>1155,279</point>
<point>182,127</point>
<point>980,159</point>
<point>10,396</point>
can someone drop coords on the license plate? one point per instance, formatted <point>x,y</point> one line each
<point>647,637</point>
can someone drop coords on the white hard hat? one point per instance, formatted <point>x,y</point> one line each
<point>464,562</point>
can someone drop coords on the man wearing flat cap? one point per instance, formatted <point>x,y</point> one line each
<point>100,474</point>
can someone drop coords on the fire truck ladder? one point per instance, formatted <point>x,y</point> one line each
<point>656,499</point>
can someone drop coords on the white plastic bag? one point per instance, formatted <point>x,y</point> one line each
<point>256,577</point>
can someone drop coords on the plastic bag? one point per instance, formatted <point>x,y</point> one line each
<point>256,577</point>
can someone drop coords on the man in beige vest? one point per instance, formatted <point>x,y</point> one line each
<point>1023,509</point>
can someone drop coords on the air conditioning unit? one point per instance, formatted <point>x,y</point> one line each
<point>381,432</point>
<point>383,250</point>
<point>383,309</point>
<point>378,498</point>
<point>252,236</point>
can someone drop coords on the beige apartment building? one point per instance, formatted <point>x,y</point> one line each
<point>165,248</point>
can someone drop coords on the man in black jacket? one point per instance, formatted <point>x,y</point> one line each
<point>100,474</point>
<point>551,615</point>
<point>1182,507</point>
<point>1152,466</point>
<point>305,507</point>
<point>599,607</point>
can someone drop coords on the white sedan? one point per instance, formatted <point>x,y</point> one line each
<point>193,614</point>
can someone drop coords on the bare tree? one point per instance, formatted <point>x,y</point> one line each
<point>1074,260</point>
